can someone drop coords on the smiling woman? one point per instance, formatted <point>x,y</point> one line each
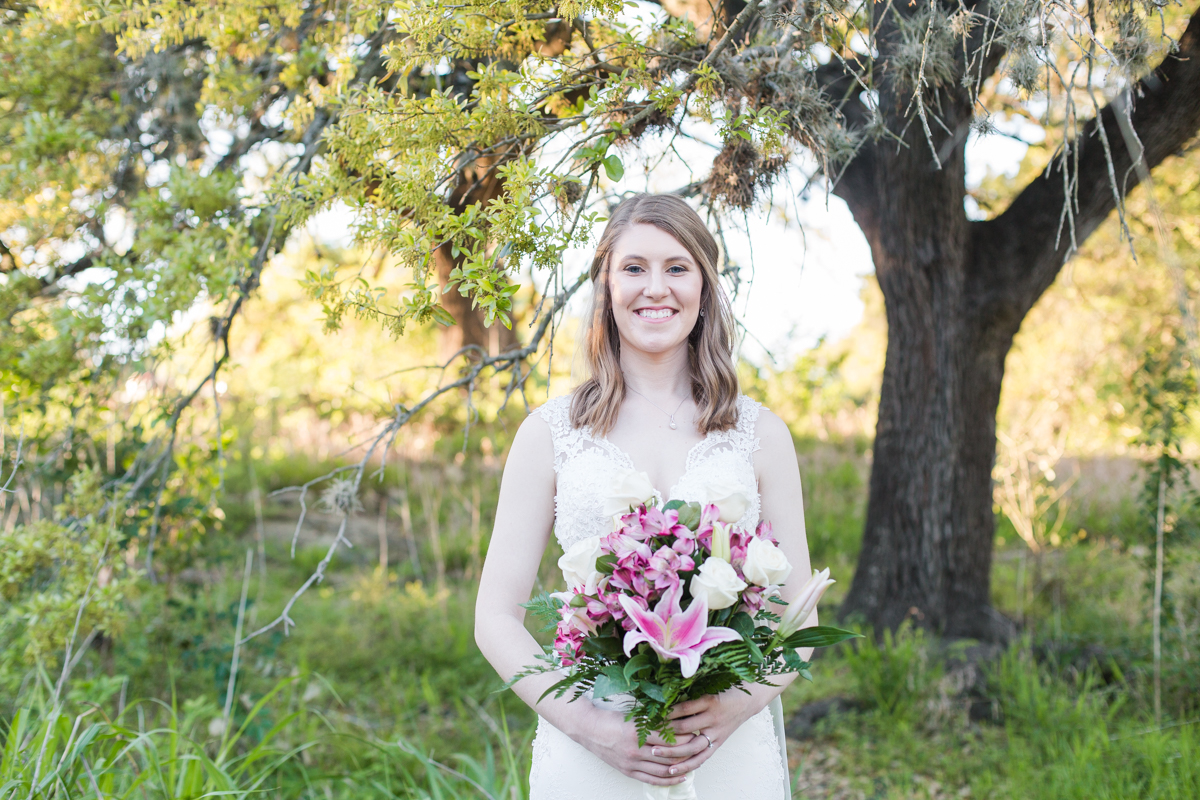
<point>660,417</point>
<point>656,286</point>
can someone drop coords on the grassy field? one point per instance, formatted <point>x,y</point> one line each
<point>379,690</point>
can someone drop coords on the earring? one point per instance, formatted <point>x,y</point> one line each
<point>702,312</point>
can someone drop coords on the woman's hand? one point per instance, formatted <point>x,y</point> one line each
<point>709,721</point>
<point>609,736</point>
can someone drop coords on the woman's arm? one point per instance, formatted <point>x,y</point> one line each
<point>783,506</point>
<point>524,518</point>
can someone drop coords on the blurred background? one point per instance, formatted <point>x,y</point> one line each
<point>172,480</point>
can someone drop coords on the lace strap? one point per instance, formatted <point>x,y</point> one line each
<point>745,440</point>
<point>557,414</point>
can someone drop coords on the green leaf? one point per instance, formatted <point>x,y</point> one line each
<point>819,636</point>
<point>637,664</point>
<point>545,608</point>
<point>613,168</point>
<point>578,601</point>
<point>560,688</point>
<point>743,624</point>
<point>673,504</point>
<point>608,646</point>
<point>793,660</point>
<point>611,681</point>
<point>689,515</point>
<point>606,563</point>
<point>652,690</point>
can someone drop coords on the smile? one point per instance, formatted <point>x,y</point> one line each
<point>656,313</point>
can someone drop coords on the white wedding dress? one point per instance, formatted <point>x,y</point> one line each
<point>752,764</point>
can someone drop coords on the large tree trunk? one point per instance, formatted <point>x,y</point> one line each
<point>926,505</point>
<point>927,543</point>
<point>956,292</point>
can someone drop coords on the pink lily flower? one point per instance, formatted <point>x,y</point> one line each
<point>673,633</point>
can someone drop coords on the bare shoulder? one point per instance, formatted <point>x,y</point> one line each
<point>776,455</point>
<point>772,432</point>
<point>534,439</point>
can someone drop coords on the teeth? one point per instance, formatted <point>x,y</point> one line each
<point>659,313</point>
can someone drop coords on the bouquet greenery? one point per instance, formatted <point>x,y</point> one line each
<point>673,605</point>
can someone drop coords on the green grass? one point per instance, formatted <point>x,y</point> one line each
<point>380,692</point>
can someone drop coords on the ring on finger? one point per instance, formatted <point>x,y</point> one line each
<point>711,743</point>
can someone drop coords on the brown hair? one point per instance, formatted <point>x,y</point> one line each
<point>710,344</point>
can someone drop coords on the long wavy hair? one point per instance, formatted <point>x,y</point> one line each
<point>597,401</point>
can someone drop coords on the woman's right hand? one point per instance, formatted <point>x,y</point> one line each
<point>615,741</point>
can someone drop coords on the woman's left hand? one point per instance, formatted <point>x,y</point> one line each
<point>716,716</point>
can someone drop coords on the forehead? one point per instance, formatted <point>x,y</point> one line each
<point>648,242</point>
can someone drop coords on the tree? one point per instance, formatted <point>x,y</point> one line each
<point>956,292</point>
<point>176,146</point>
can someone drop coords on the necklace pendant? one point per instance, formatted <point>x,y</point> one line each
<point>672,424</point>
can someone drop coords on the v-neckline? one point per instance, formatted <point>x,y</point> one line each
<point>687,463</point>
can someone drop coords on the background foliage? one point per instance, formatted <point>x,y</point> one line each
<point>158,163</point>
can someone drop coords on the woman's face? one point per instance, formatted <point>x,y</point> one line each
<point>655,286</point>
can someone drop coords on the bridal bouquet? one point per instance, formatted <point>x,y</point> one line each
<point>674,604</point>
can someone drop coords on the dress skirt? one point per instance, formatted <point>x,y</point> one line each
<point>752,765</point>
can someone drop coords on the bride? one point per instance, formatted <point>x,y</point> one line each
<point>661,409</point>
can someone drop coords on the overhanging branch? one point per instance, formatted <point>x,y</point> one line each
<point>1016,256</point>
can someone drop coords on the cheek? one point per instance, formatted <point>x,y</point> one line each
<point>618,294</point>
<point>691,290</point>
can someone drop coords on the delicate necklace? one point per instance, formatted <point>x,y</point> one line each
<point>671,416</point>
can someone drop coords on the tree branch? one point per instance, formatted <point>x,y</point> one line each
<point>382,442</point>
<point>856,184</point>
<point>1017,255</point>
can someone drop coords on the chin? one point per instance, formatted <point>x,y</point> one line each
<point>656,344</point>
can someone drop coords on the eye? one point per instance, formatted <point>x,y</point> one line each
<point>634,269</point>
<point>677,269</point>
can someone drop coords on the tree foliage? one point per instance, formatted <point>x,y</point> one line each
<point>155,155</point>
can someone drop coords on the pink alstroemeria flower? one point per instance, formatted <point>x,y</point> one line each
<point>663,523</point>
<point>709,516</point>
<point>665,566</point>
<point>673,633</point>
<point>621,544</point>
<point>766,531</point>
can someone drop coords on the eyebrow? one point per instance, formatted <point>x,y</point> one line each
<point>677,257</point>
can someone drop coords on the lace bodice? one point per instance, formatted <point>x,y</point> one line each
<point>586,465</point>
<point>752,764</point>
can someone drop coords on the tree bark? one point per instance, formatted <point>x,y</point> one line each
<point>956,292</point>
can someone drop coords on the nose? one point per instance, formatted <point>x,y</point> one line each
<point>657,287</point>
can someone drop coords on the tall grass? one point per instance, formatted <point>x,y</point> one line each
<point>153,751</point>
<point>50,754</point>
<point>1071,737</point>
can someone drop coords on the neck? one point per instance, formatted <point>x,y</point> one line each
<point>658,375</point>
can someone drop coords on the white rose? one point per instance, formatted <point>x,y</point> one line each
<point>766,565</point>
<point>578,565</point>
<point>628,489</point>
<point>729,498</point>
<point>717,583</point>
